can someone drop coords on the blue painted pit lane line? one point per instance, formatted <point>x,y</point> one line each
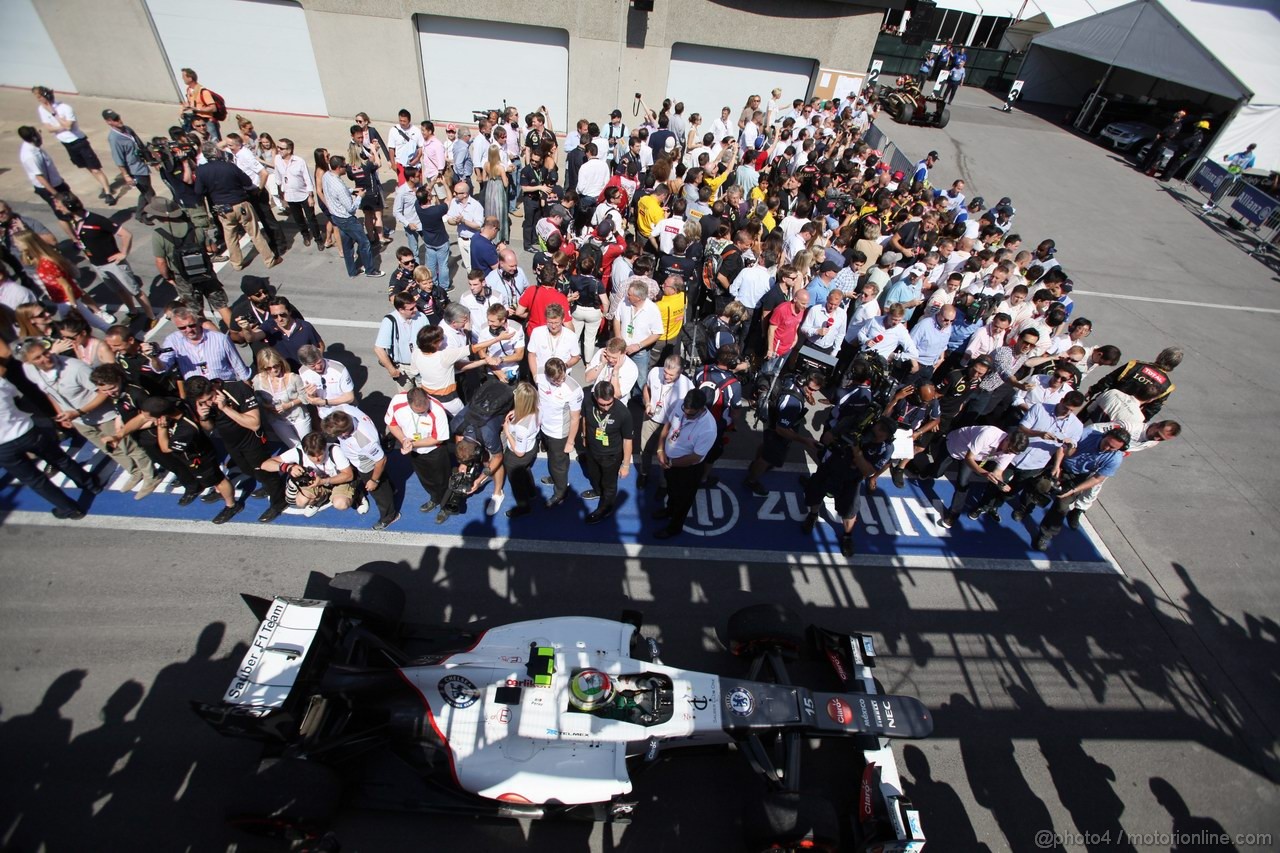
<point>896,527</point>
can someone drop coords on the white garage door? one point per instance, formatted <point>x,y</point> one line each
<point>475,65</point>
<point>27,55</point>
<point>256,54</point>
<point>709,78</point>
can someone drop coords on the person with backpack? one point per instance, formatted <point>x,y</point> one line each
<point>664,387</point>
<point>783,410</point>
<point>201,101</point>
<point>719,383</point>
<point>182,260</point>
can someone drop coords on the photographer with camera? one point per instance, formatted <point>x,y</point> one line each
<point>180,434</point>
<point>357,437</point>
<point>842,475</point>
<point>786,405</point>
<point>316,473</point>
<point>1087,466</point>
<point>1048,428</point>
<point>230,410</point>
<point>182,258</point>
<point>397,337</point>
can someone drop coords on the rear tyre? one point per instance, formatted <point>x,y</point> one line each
<point>944,117</point>
<point>366,594</point>
<point>907,113</point>
<point>286,797</point>
<point>789,820</point>
<point>761,627</point>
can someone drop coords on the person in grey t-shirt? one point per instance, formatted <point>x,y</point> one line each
<point>129,155</point>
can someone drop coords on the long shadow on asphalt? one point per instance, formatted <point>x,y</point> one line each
<point>153,770</point>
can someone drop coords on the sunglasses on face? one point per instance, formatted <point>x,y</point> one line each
<point>187,327</point>
<point>279,316</point>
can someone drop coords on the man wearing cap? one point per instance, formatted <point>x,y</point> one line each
<point>920,179</point>
<point>906,289</point>
<point>614,137</point>
<point>883,271</point>
<point>457,149</point>
<point>1187,149</point>
<point>128,153</point>
<point>686,438</point>
<point>173,229</point>
<point>822,284</point>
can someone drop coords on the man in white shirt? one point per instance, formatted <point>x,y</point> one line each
<point>594,174</point>
<point>60,120</point>
<point>824,325</point>
<point>420,425</point>
<point>506,343</point>
<point>404,207</point>
<point>553,340</point>
<point>43,175</point>
<point>886,334</point>
<point>357,437</point>
<point>332,477</point>
<point>865,309</point>
<point>750,285</point>
<point>480,148</point>
<point>559,410</point>
<point>397,338</point>
<point>611,365</point>
<point>298,192</point>
<point>246,161</point>
<point>668,229</point>
<point>723,127</point>
<point>480,296</point>
<point>639,324</point>
<point>405,139</point>
<point>467,215</point>
<point>326,383</point>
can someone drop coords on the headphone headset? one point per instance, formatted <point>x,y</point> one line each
<point>44,92</point>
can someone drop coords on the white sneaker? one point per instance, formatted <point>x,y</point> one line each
<point>107,317</point>
<point>363,508</point>
<point>309,512</point>
<point>494,503</point>
<point>1206,207</point>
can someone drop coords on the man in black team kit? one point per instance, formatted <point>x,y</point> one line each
<point>606,433</point>
<point>231,409</point>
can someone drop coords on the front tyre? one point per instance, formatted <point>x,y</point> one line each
<point>761,627</point>
<point>286,798</point>
<point>791,821</point>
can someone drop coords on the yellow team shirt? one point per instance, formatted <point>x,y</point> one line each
<point>648,214</point>
<point>715,183</point>
<point>671,308</point>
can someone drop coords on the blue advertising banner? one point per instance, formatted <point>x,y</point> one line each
<point>1210,176</point>
<point>1254,205</point>
<point>895,526</point>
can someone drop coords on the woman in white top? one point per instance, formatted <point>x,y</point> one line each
<point>281,395</point>
<point>436,366</point>
<point>520,443</point>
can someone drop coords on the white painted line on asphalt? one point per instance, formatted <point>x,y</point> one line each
<point>344,324</point>
<point>1175,302</point>
<point>388,538</point>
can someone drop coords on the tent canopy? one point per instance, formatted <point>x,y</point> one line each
<point>1144,37</point>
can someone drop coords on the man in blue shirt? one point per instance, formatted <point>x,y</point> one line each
<point>484,246</point>
<point>1049,429</point>
<point>931,336</point>
<point>1098,456</point>
<point>1237,165</point>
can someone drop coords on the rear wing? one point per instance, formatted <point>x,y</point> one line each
<point>268,694</point>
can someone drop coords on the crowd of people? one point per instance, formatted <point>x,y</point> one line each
<point>762,278</point>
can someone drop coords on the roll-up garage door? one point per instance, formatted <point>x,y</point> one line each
<point>256,54</point>
<point>475,65</point>
<point>27,54</point>
<point>709,78</point>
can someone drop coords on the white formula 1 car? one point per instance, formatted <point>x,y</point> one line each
<point>548,718</point>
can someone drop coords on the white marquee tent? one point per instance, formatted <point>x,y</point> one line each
<point>1225,48</point>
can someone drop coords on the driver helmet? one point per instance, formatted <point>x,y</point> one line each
<point>590,690</point>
